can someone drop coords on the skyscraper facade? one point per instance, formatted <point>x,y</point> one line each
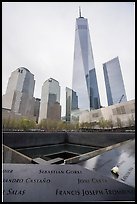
<point>50,100</point>
<point>71,102</point>
<point>84,81</point>
<point>114,82</point>
<point>36,108</point>
<point>19,93</point>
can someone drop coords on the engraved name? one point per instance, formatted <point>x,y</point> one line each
<point>127,174</point>
<point>92,180</point>
<point>12,191</point>
<point>27,180</point>
<point>7,170</point>
<point>59,171</point>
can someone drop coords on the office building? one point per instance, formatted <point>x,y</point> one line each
<point>36,108</point>
<point>19,94</point>
<point>71,102</point>
<point>114,82</point>
<point>84,81</point>
<point>50,100</point>
<point>125,112</point>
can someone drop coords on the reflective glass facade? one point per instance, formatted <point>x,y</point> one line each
<point>84,82</point>
<point>114,82</point>
<point>71,102</point>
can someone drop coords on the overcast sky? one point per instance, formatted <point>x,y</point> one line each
<point>40,37</point>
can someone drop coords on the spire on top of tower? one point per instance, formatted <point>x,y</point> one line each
<point>79,12</point>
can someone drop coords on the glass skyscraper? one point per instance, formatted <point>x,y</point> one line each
<point>84,81</point>
<point>114,82</point>
<point>71,102</point>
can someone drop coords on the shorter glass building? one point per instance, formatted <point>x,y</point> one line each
<point>71,102</point>
<point>114,82</point>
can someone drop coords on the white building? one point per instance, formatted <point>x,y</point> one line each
<point>50,100</point>
<point>19,93</point>
<point>124,111</point>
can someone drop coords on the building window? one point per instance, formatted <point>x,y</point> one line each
<point>132,110</point>
<point>114,111</point>
<point>119,110</point>
<point>95,115</point>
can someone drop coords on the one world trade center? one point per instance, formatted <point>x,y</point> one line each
<point>84,81</point>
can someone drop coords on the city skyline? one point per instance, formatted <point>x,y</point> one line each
<point>42,40</point>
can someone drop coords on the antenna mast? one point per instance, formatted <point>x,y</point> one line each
<point>79,12</point>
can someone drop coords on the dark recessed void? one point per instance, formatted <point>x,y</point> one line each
<point>64,151</point>
<point>64,145</point>
<point>63,155</point>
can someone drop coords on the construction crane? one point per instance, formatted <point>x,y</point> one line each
<point>121,98</point>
